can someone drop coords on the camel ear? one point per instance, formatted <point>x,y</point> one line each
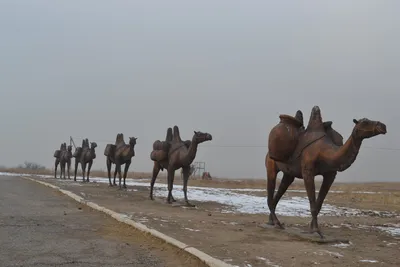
<point>195,132</point>
<point>135,138</point>
<point>355,121</point>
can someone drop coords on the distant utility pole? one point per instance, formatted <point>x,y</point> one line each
<point>71,141</point>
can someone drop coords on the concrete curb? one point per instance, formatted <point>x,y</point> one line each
<point>207,259</point>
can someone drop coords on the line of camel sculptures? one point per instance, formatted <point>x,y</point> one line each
<point>293,149</point>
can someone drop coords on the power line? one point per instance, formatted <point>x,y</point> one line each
<point>244,146</point>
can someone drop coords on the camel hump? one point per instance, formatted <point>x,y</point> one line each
<point>177,135</point>
<point>57,153</point>
<point>315,121</point>
<point>119,139</point>
<point>283,138</point>
<point>169,136</point>
<point>299,117</point>
<point>109,151</point>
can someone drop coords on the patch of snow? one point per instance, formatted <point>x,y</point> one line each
<point>243,203</point>
<point>192,230</point>
<point>268,262</point>
<point>14,174</point>
<point>369,261</point>
<point>393,231</point>
<point>331,253</point>
<point>342,245</point>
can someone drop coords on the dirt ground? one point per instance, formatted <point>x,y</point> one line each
<point>238,238</point>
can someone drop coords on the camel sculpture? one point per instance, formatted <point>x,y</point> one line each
<point>57,154</point>
<point>65,159</point>
<point>176,154</point>
<point>119,154</point>
<point>319,150</point>
<point>77,155</point>
<point>85,156</point>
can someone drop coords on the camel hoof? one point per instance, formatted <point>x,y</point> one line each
<point>317,231</point>
<point>115,184</point>
<point>111,185</point>
<point>124,186</point>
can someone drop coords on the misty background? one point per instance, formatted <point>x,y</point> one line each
<point>93,69</point>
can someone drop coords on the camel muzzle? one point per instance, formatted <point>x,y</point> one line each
<point>381,128</point>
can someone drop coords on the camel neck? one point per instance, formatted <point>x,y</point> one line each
<point>192,150</point>
<point>345,156</point>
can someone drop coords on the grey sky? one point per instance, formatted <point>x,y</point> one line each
<point>96,68</point>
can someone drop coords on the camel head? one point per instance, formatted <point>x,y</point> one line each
<point>200,137</point>
<point>365,128</point>
<point>132,141</point>
<point>93,145</point>
<point>69,148</point>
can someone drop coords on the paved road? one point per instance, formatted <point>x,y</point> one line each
<point>41,227</point>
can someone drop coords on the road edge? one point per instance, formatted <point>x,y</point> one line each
<point>207,259</point>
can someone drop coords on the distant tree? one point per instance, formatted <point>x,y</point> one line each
<point>31,166</point>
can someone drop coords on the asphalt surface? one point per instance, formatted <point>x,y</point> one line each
<point>41,227</point>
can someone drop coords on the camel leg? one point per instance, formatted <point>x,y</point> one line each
<point>185,172</point>
<point>271,184</point>
<point>156,171</point>
<point>127,164</point>
<point>286,181</point>
<point>171,174</point>
<point>83,170</point>
<point>115,174</point>
<point>62,169</point>
<point>55,168</point>
<point>108,163</point>
<point>68,169</point>
<point>323,191</point>
<point>76,169</point>
<point>88,171</point>
<point>118,167</point>
<point>309,183</point>
<point>64,165</point>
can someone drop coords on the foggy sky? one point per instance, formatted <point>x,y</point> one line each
<point>96,68</point>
